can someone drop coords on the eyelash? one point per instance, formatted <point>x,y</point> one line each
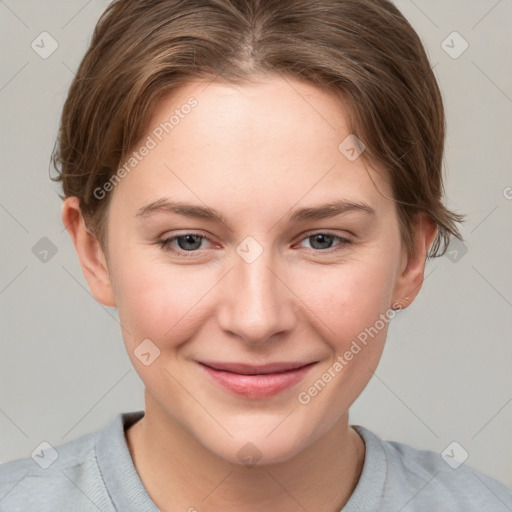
<point>165,244</point>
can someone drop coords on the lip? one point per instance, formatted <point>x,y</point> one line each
<point>256,381</point>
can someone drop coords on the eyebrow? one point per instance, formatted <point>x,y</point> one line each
<point>319,212</point>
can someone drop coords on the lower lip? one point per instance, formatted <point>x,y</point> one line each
<point>257,386</point>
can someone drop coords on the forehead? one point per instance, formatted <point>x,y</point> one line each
<point>276,140</point>
<point>272,109</point>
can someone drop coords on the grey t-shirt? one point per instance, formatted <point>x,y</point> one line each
<point>95,472</point>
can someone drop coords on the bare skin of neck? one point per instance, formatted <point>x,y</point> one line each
<point>180,474</point>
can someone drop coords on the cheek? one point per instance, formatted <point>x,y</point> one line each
<point>353,303</point>
<point>155,298</point>
<point>351,297</point>
<point>160,304</point>
<point>163,305</point>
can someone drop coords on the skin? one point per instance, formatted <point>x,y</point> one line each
<point>254,153</point>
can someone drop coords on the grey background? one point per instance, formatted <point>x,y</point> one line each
<point>446,370</point>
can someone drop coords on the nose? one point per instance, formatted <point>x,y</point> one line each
<point>258,304</point>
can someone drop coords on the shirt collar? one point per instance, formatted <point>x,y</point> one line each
<point>128,493</point>
<point>370,488</point>
<point>117,469</point>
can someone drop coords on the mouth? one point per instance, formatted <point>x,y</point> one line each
<point>256,381</point>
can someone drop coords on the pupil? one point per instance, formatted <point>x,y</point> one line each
<point>189,239</point>
<point>322,239</point>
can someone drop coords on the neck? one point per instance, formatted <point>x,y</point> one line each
<point>181,474</point>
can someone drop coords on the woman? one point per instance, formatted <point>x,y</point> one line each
<point>256,187</point>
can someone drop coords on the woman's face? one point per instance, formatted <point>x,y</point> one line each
<point>271,281</point>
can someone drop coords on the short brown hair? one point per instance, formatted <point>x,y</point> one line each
<point>365,51</point>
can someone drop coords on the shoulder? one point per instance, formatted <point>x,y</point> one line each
<point>420,480</point>
<point>54,478</point>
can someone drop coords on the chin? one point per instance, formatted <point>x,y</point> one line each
<point>272,444</point>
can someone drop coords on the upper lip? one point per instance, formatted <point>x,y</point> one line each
<point>252,369</point>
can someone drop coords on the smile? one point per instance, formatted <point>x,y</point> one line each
<point>252,381</point>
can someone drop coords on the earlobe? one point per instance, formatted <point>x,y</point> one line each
<point>412,266</point>
<point>92,260</point>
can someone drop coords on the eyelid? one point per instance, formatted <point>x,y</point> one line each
<point>342,240</point>
<point>173,237</point>
<point>306,234</point>
<point>312,232</point>
<point>166,242</point>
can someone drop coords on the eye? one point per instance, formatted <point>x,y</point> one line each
<point>189,243</point>
<point>322,241</point>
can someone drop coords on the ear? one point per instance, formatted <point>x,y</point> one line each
<point>412,266</point>
<point>92,259</point>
